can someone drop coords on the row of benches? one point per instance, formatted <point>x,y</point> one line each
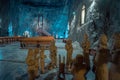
<point>36,41</point>
<point>26,42</point>
<point>6,40</point>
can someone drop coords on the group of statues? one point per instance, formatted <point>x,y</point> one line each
<point>105,55</point>
<point>80,65</point>
<point>35,61</point>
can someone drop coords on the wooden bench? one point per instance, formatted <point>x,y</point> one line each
<point>36,41</point>
<point>6,40</point>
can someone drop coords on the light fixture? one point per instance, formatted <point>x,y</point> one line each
<point>73,13</point>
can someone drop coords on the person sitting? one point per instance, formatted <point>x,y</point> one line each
<point>79,68</point>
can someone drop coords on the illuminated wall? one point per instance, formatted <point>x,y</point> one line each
<point>54,20</point>
<point>5,17</point>
<point>18,18</point>
<point>102,16</point>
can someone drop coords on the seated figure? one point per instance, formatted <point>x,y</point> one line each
<point>79,69</point>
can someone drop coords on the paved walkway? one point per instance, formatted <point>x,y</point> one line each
<point>13,66</point>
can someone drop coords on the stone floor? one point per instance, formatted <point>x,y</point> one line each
<point>13,66</point>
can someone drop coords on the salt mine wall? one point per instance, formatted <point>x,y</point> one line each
<point>4,17</point>
<point>18,16</point>
<point>100,17</point>
<point>9,13</point>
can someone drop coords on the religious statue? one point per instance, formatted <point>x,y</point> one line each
<point>86,44</point>
<point>116,42</point>
<point>86,47</point>
<point>36,53</point>
<point>31,62</point>
<point>53,54</point>
<point>42,58</point>
<point>69,49</point>
<point>26,34</point>
<point>114,71</point>
<point>79,69</point>
<point>101,59</point>
<point>30,53</point>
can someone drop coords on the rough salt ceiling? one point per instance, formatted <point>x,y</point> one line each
<point>45,3</point>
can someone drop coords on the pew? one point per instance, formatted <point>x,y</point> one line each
<point>36,41</point>
<point>6,40</point>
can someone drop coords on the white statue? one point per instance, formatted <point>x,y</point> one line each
<point>26,34</point>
